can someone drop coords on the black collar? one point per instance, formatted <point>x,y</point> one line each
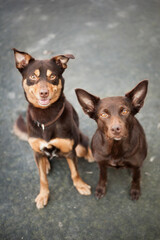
<point>43,126</point>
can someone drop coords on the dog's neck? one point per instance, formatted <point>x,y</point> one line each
<point>44,116</point>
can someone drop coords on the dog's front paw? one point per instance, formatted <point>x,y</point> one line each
<point>50,151</point>
<point>135,193</point>
<point>41,200</point>
<point>100,191</point>
<point>47,152</point>
<point>82,187</point>
<point>46,149</point>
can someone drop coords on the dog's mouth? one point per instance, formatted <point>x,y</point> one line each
<point>44,102</point>
<point>117,138</point>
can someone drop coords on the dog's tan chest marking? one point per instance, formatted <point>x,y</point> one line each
<point>38,144</point>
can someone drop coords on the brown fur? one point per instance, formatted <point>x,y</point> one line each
<point>119,140</point>
<point>52,125</point>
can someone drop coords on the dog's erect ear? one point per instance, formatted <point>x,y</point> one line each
<point>22,59</point>
<point>137,95</point>
<point>87,101</point>
<point>62,60</point>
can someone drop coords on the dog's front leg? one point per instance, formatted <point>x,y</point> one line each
<point>64,145</point>
<point>101,187</point>
<point>135,185</point>
<point>37,144</point>
<point>80,185</point>
<point>42,198</point>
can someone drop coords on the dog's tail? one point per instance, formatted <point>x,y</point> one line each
<point>20,129</point>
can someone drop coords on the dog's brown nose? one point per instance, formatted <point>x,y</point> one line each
<point>116,129</point>
<point>44,93</point>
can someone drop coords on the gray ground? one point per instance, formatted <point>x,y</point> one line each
<point>116,44</point>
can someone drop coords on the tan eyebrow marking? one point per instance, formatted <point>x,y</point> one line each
<point>49,72</point>
<point>37,72</point>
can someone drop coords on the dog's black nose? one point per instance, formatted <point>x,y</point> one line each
<point>44,93</point>
<point>116,129</point>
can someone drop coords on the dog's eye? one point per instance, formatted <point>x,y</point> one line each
<point>33,77</point>
<point>124,112</point>
<point>52,77</point>
<point>104,115</point>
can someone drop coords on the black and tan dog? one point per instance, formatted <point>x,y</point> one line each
<point>52,123</point>
<point>119,140</point>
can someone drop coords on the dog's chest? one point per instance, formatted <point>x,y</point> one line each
<point>117,163</point>
<point>116,156</point>
<point>48,133</point>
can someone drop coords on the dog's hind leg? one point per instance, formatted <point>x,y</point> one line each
<point>83,149</point>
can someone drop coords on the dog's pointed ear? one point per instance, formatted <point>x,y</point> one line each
<point>137,95</point>
<point>87,101</point>
<point>62,60</point>
<point>21,59</point>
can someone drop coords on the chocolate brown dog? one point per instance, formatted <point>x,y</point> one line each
<point>52,123</point>
<point>119,140</point>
